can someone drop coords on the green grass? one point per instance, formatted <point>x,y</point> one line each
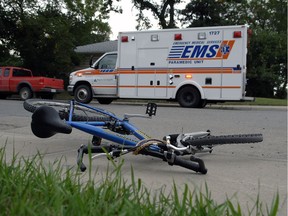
<point>262,102</point>
<point>28,187</point>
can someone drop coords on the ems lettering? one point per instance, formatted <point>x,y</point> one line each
<point>200,51</point>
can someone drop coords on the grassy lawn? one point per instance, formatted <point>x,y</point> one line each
<point>262,102</point>
<point>28,187</point>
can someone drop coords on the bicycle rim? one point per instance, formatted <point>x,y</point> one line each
<point>81,113</point>
<point>225,139</point>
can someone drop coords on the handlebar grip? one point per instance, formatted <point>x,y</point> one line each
<point>196,165</point>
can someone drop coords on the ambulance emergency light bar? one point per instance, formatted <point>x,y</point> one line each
<point>178,36</point>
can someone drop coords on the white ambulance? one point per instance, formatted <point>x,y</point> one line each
<point>193,66</point>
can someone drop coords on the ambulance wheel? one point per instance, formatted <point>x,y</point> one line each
<point>83,94</point>
<point>104,100</point>
<point>188,97</point>
<point>202,103</point>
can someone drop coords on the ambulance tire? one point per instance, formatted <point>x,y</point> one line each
<point>83,94</point>
<point>189,96</point>
<point>202,103</point>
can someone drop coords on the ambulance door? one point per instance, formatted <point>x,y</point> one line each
<point>235,60</point>
<point>152,73</point>
<point>127,71</point>
<point>104,78</point>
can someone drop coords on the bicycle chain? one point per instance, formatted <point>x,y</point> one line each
<point>144,134</point>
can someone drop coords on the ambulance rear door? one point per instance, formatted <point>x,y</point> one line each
<point>234,57</point>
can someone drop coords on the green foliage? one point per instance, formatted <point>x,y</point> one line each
<point>267,67</point>
<point>43,35</point>
<point>164,11</point>
<point>267,56</point>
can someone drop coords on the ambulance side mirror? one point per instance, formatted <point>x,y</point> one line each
<point>91,61</point>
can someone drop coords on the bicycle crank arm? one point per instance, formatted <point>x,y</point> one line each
<point>80,163</point>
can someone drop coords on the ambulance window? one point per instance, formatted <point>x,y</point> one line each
<point>108,62</point>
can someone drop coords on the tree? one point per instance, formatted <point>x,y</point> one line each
<point>214,13</point>
<point>164,12</point>
<point>43,35</point>
<point>267,56</point>
<point>203,13</point>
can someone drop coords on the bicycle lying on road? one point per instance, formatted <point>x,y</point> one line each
<point>51,117</point>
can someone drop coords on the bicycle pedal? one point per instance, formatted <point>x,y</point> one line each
<point>151,109</point>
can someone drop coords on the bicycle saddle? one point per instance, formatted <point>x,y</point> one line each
<point>46,122</point>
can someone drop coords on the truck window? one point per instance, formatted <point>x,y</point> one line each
<point>108,62</point>
<point>6,72</point>
<point>0,71</point>
<point>21,73</point>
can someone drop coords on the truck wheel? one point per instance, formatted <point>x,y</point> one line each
<point>104,100</point>
<point>83,94</point>
<point>25,93</point>
<point>188,97</point>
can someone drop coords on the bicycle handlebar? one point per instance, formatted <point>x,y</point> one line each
<point>195,164</point>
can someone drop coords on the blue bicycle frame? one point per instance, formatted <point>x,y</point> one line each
<point>93,128</point>
<point>47,121</point>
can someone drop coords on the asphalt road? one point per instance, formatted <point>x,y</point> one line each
<point>240,172</point>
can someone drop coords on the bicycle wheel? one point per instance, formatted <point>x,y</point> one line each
<point>225,139</point>
<point>81,113</point>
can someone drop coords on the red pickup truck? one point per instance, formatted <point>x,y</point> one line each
<point>15,80</point>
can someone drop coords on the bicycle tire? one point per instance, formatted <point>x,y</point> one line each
<point>224,139</point>
<point>32,104</point>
